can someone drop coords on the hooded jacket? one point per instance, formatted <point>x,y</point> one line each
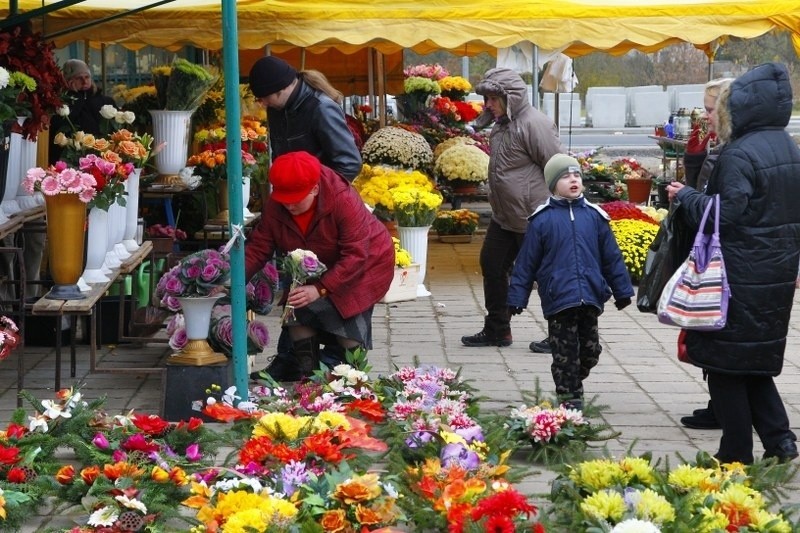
<point>570,252</point>
<point>314,123</point>
<point>520,148</point>
<point>757,176</point>
<point>344,235</point>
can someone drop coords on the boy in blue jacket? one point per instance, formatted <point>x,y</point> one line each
<point>570,251</point>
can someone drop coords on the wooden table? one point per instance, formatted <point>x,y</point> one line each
<point>88,307</point>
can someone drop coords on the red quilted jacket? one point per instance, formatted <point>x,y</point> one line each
<point>346,237</point>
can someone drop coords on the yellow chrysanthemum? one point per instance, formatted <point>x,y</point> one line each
<point>604,505</point>
<point>329,420</point>
<point>274,424</point>
<point>768,522</point>
<point>637,469</point>
<point>712,521</point>
<point>654,507</point>
<point>464,162</point>
<point>634,238</point>
<point>691,477</point>
<point>596,475</point>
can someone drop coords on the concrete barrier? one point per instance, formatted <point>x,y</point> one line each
<point>569,109</point>
<point>649,108</point>
<point>592,95</point>
<point>608,110</point>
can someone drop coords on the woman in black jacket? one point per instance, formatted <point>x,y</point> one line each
<point>757,176</point>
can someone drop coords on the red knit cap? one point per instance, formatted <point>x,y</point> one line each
<point>293,175</point>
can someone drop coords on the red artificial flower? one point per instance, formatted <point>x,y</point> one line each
<point>193,424</point>
<point>499,524</point>
<point>372,410</point>
<point>139,443</point>
<point>9,455</point>
<point>256,450</point>
<point>121,469</point>
<point>16,431</point>
<point>428,487</point>
<point>323,446</point>
<point>226,413</point>
<point>150,424</point>
<point>285,453</point>
<point>507,502</point>
<point>16,475</point>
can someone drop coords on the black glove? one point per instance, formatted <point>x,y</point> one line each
<point>517,310</point>
<point>622,303</point>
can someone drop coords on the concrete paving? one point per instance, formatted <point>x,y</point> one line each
<point>639,379</point>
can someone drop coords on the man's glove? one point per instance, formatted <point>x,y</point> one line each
<point>518,310</point>
<point>622,303</point>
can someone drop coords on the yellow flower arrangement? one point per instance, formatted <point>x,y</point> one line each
<point>415,207</point>
<point>456,222</point>
<point>376,182</point>
<point>464,162</point>
<point>455,87</point>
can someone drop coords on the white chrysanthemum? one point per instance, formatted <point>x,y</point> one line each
<point>105,516</point>
<point>634,525</point>
<point>5,77</point>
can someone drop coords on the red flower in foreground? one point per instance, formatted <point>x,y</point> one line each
<point>150,424</point>
<point>369,409</point>
<point>16,475</point>
<point>16,431</point>
<point>9,455</point>
<point>507,503</point>
<point>226,413</point>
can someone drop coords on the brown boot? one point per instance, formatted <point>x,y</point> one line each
<point>306,353</point>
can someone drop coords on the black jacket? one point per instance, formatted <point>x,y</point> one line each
<point>84,113</point>
<point>314,123</point>
<point>757,176</point>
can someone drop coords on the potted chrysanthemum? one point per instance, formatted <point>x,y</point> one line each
<point>415,210</point>
<point>462,167</point>
<point>456,225</point>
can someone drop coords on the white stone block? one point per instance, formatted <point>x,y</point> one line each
<point>567,113</point>
<point>608,110</point>
<point>592,92</point>
<point>649,108</point>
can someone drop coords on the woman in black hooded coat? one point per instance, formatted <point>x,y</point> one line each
<point>757,176</point>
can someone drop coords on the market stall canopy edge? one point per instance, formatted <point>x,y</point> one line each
<point>463,26</point>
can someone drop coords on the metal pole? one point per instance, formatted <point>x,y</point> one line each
<point>535,78</point>
<point>230,49</point>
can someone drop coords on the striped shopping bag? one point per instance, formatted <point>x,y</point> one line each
<point>696,296</point>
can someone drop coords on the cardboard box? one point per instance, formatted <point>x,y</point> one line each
<point>404,285</point>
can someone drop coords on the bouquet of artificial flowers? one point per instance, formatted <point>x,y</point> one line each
<point>60,179</point>
<point>557,433</point>
<point>301,266</point>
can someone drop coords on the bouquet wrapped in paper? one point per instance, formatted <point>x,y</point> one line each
<point>301,266</point>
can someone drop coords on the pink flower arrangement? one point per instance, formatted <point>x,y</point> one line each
<point>433,72</point>
<point>110,175</point>
<point>171,232</point>
<point>61,179</point>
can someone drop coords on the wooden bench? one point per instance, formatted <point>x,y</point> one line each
<point>88,307</point>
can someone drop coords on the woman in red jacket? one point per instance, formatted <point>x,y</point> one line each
<point>313,208</point>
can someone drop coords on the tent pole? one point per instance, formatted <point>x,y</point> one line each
<point>230,51</point>
<point>371,77</point>
<point>381,75</point>
<point>535,78</point>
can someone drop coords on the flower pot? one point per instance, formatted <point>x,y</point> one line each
<point>404,285</point>
<point>66,223</point>
<point>5,152</point>
<point>246,213</point>
<point>131,211</point>
<point>96,246</point>
<point>639,190</point>
<point>26,200</point>
<point>456,239</point>
<point>15,172</point>
<point>197,316</point>
<point>223,201</point>
<point>174,128</point>
<point>415,240</point>
<point>162,245</point>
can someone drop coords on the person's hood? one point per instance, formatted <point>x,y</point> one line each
<point>505,82</point>
<point>759,99</point>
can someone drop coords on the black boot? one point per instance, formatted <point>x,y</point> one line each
<point>306,353</point>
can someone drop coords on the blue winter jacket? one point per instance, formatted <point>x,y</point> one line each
<point>570,252</point>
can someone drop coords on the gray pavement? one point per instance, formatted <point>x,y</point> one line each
<point>639,379</point>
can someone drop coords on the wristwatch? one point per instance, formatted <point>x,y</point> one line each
<point>323,292</point>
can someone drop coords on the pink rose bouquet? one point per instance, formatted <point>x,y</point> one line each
<point>60,179</point>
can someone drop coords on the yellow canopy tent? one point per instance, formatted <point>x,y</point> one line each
<point>466,27</point>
